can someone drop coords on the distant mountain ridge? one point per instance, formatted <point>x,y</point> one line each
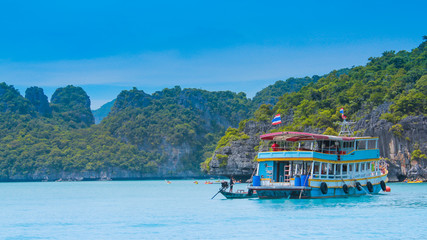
<point>167,133</point>
<point>103,111</point>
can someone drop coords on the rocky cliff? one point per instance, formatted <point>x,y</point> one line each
<point>238,158</point>
<point>39,100</point>
<point>397,142</point>
<point>181,125</point>
<point>72,105</point>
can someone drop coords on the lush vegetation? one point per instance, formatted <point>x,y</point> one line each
<point>71,105</point>
<point>190,121</point>
<point>231,134</point>
<point>399,78</point>
<point>142,132</point>
<point>31,141</point>
<point>272,93</point>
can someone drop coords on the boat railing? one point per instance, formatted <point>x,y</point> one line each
<point>281,183</point>
<point>270,183</point>
<point>325,151</point>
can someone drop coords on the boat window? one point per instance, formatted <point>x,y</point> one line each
<point>372,144</point>
<point>338,169</point>
<point>297,167</point>
<point>357,167</point>
<point>370,167</point>
<point>348,145</point>
<point>331,170</point>
<point>375,167</point>
<point>363,167</point>
<point>344,170</point>
<point>324,168</point>
<point>361,145</point>
<point>316,170</point>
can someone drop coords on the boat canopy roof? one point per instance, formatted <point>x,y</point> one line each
<point>302,136</point>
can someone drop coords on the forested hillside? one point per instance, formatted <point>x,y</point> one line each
<point>170,132</point>
<point>388,90</point>
<point>167,133</point>
<point>399,78</point>
<point>181,125</point>
<point>36,145</point>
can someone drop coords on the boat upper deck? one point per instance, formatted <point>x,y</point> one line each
<point>291,146</point>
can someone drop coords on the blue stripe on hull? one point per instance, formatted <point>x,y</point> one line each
<point>316,193</point>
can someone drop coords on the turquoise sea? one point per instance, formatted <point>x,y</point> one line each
<point>184,210</point>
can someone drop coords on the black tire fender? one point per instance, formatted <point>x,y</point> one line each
<point>324,188</point>
<point>383,186</point>
<point>345,188</point>
<point>370,186</point>
<point>359,186</point>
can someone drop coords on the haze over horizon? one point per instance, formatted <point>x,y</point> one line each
<point>109,46</point>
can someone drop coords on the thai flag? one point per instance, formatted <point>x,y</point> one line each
<point>342,110</point>
<point>276,120</point>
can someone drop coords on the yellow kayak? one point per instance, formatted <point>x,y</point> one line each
<point>415,181</point>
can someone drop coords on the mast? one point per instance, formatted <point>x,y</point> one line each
<point>345,128</point>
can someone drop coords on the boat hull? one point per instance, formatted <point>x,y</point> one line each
<point>233,195</point>
<point>299,192</point>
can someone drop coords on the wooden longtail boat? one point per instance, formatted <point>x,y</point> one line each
<point>238,194</point>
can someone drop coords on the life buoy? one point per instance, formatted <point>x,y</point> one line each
<point>369,186</point>
<point>383,186</point>
<point>324,188</point>
<point>358,186</point>
<point>345,188</point>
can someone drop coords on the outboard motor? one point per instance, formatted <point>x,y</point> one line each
<point>224,185</point>
<point>250,192</point>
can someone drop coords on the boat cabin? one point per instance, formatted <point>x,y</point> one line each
<point>296,158</point>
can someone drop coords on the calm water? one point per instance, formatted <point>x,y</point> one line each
<point>183,210</point>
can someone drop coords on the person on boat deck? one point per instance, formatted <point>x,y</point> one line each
<point>275,147</point>
<point>231,183</point>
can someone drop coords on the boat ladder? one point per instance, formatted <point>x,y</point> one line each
<point>287,173</point>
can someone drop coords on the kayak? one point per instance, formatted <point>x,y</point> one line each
<point>419,181</point>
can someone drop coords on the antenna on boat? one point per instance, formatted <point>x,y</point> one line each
<point>345,126</point>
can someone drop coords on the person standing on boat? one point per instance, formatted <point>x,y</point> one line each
<point>231,183</point>
<point>275,146</point>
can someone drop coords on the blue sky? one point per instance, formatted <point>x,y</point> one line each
<point>107,46</point>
